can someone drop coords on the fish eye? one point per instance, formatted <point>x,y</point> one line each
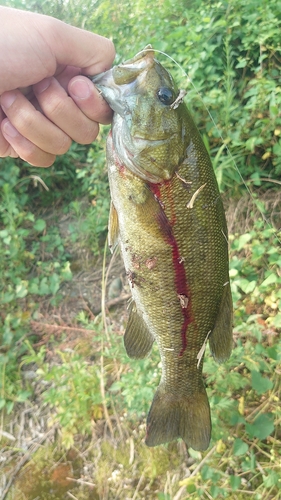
<point>166,95</point>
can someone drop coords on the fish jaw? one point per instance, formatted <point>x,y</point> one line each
<point>111,91</point>
<point>118,85</point>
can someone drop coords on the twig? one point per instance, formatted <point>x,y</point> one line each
<point>102,377</point>
<point>247,492</point>
<point>24,460</point>
<point>81,481</point>
<point>267,179</point>
<point>200,465</point>
<point>132,451</point>
<point>113,302</point>
<point>196,470</point>
<point>36,178</point>
<point>71,495</point>
<point>138,487</point>
<point>7,435</point>
<point>37,324</point>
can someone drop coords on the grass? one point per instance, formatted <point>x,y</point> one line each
<point>89,401</point>
<point>72,405</point>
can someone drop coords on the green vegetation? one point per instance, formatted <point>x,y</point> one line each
<point>97,398</point>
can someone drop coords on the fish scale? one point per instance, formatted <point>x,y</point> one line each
<point>168,218</point>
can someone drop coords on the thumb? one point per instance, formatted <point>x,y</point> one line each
<point>83,49</point>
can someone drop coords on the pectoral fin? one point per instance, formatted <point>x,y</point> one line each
<point>221,341</point>
<point>113,228</point>
<point>137,339</point>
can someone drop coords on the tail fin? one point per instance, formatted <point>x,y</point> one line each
<point>172,416</point>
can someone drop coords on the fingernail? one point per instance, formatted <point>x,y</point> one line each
<point>7,99</point>
<point>80,88</point>
<point>41,86</point>
<point>9,129</point>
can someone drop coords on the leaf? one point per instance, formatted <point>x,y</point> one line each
<point>191,488</point>
<point>239,447</point>
<point>262,427</point>
<point>215,491</point>
<point>277,320</point>
<point>9,407</point>
<point>272,278</point>
<point>242,62</point>
<point>259,383</point>
<point>256,178</point>
<point>7,297</point>
<point>21,289</point>
<point>271,480</point>
<point>39,225</point>
<point>272,352</point>
<point>235,482</point>
<point>54,283</point>
<point>44,287</point>
<point>253,142</point>
<point>242,240</point>
<point>33,287</point>
<point>246,285</point>
<point>23,396</point>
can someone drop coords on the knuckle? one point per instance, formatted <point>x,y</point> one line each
<point>64,145</point>
<point>22,120</point>
<point>5,151</point>
<point>112,50</point>
<point>38,158</point>
<point>89,134</point>
<point>29,152</point>
<point>54,107</point>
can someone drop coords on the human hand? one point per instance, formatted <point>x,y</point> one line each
<point>45,102</point>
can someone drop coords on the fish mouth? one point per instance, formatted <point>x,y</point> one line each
<point>119,83</point>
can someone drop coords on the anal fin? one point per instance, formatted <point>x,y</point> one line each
<point>137,339</point>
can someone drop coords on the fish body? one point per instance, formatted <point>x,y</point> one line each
<point>168,218</point>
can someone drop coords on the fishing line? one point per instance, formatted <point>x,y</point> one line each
<point>266,221</point>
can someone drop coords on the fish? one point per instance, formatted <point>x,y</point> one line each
<point>168,219</point>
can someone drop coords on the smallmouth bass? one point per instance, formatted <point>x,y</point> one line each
<point>167,215</point>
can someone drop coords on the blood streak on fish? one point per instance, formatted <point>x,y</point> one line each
<point>179,270</point>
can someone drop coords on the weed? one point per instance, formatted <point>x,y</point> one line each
<point>231,51</point>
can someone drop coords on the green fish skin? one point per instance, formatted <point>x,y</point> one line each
<point>167,216</point>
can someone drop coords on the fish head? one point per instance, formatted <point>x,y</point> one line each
<point>148,131</point>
